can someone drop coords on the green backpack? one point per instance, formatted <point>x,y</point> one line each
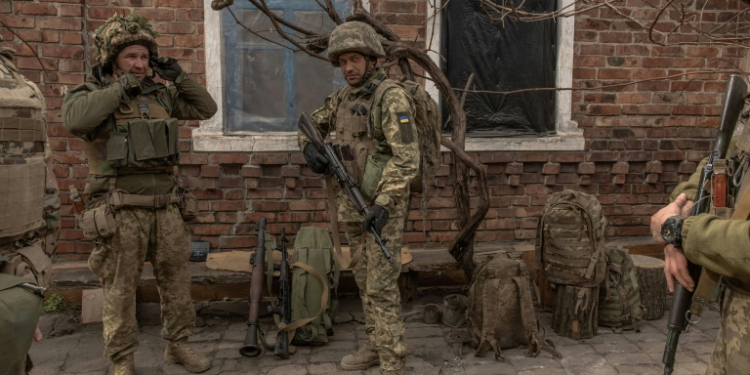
<point>620,300</point>
<point>315,277</point>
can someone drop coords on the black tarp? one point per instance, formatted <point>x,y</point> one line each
<point>503,55</point>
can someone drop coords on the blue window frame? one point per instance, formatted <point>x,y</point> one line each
<point>267,86</point>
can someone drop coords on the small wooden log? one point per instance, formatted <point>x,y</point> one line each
<point>580,323</point>
<point>653,285</point>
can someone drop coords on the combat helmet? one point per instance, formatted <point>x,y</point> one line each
<point>354,36</point>
<point>120,32</point>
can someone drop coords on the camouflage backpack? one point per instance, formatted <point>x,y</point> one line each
<point>501,311</point>
<point>570,240</point>
<point>620,300</point>
<point>427,122</point>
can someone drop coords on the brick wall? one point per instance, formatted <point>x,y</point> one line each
<point>641,140</point>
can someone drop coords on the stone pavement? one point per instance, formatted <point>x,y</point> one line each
<point>73,349</point>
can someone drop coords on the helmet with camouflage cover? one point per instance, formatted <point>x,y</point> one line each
<point>354,36</point>
<point>120,32</point>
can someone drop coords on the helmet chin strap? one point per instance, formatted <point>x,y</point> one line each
<point>368,74</point>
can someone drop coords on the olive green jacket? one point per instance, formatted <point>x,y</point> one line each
<point>92,104</point>
<point>720,245</point>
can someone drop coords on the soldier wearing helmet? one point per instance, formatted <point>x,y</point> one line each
<point>374,133</point>
<point>29,214</point>
<point>136,210</point>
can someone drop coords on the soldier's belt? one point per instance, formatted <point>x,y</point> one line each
<point>120,199</point>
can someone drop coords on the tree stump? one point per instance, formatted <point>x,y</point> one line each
<point>576,323</point>
<point>653,285</point>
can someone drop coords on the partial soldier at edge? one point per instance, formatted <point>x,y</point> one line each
<point>29,214</point>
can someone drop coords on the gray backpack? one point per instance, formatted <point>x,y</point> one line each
<point>620,300</point>
<point>570,240</point>
<point>501,311</point>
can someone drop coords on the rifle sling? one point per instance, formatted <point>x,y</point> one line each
<point>338,254</point>
<point>709,279</point>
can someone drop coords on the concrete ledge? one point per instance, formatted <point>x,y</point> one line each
<point>431,267</point>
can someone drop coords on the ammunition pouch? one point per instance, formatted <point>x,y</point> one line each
<point>188,204</point>
<point>30,263</point>
<point>373,171</point>
<point>98,222</point>
<point>143,143</point>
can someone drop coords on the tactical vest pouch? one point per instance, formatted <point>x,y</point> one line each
<point>117,148</point>
<point>31,264</point>
<point>98,222</point>
<point>188,204</point>
<point>373,172</point>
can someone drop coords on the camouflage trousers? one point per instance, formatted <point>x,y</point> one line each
<point>378,288</point>
<point>161,237</point>
<point>731,354</point>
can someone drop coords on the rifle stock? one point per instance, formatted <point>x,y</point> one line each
<point>250,347</point>
<point>678,317</point>
<point>346,183</point>
<point>284,301</point>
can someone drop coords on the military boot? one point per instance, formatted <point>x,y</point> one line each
<point>362,359</point>
<point>179,352</point>
<point>125,366</point>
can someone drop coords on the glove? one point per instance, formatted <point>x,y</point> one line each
<point>376,219</point>
<point>131,85</point>
<point>166,67</point>
<point>315,159</point>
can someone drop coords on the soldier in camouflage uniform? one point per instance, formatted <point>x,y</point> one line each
<point>135,209</point>
<point>374,133</point>
<point>721,245</point>
<point>29,214</point>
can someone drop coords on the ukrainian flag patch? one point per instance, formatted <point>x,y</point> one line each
<point>404,119</point>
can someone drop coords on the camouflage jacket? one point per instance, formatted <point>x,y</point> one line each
<point>720,245</point>
<point>92,104</point>
<point>393,189</point>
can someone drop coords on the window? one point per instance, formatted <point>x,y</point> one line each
<point>267,86</point>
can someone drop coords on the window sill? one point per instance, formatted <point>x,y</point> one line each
<point>287,142</point>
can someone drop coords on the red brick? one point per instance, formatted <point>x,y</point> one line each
<point>17,22</point>
<point>63,52</point>
<point>227,206</point>
<point>180,28</point>
<point>72,38</point>
<point>613,74</point>
<point>269,159</point>
<point>397,7</point>
<point>229,158</point>
<point>35,9</point>
<point>188,41</point>
<point>307,205</point>
<point>237,242</point>
<point>60,23</point>
<point>70,10</point>
<point>270,206</point>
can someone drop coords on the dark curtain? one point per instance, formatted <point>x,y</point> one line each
<point>503,55</point>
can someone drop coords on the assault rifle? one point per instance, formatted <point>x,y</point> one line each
<point>336,168</point>
<point>251,348</point>
<point>680,316</point>
<point>284,302</point>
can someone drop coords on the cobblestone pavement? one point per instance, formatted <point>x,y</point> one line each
<point>80,352</point>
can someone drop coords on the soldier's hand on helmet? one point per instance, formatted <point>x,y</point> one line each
<point>166,67</point>
<point>315,159</point>
<point>131,85</point>
<point>376,219</point>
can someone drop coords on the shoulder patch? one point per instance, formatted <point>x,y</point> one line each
<point>405,127</point>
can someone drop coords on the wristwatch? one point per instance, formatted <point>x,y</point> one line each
<point>671,231</point>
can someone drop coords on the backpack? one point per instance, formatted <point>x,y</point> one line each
<point>620,300</point>
<point>501,312</point>
<point>315,277</point>
<point>426,120</point>
<point>570,240</point>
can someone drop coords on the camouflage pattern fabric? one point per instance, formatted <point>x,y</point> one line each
<point>119,32</point>
<point>161,237</point>
<point>354,36</point>
<point>378,288</point>
<point>731,354</point>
